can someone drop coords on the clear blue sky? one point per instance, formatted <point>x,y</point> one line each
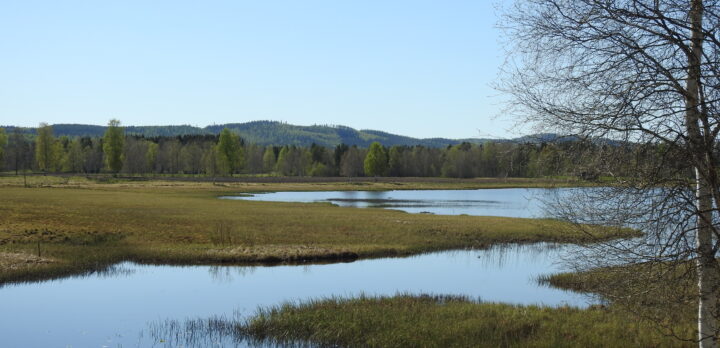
<point>417,68</point>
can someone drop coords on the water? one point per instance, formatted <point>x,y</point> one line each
<point>518,202</point>
<point>115,308</point>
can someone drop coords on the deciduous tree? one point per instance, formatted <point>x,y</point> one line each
<point>45,149</point>
<point>376,160</point>
<point>269,159</point>
<point>642,72</point>
<point>229,149</point>
<point>113,143</point>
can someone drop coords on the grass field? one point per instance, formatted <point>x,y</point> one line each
<point>73,224</point>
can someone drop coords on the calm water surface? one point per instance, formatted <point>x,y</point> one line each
<point>114,309</point>
<point>518,202</point>
<point>111,310</point>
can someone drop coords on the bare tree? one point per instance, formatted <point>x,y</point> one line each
<point>20,151</point>
<point>135,155</point>
<point>642,72</point>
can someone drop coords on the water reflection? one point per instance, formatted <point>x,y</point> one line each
<point>105,272</point>
<point>225,274</point>
<point>501,256</point>
<point>98,309</point>
<point>519,202</point>
<point>513,269</point>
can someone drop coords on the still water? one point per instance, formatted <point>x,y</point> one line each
<point>515,202</point>
<point>115,308</point>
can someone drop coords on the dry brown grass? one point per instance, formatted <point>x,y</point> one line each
<point>88,225</point>
<point>22,261</point>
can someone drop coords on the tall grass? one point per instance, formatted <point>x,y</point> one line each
<point>426,321</point>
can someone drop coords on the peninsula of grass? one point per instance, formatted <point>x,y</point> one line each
<point>660,314</point>
<point>441,321</point>
<point>64,226</point>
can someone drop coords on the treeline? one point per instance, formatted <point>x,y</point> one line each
<point>227,154</point>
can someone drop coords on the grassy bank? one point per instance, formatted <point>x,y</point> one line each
<point>76,225</point>
<point>431,321</point>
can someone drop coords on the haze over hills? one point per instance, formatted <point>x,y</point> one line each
<point>272,133</point>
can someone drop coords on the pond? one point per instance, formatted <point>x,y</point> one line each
<point>514,202</point>
<point>116,308</point>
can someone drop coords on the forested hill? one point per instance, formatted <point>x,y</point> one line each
<point>267,133</point>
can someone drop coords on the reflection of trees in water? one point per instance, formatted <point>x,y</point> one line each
<point>227,274</point>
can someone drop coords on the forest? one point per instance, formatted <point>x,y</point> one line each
<point>227,154</point>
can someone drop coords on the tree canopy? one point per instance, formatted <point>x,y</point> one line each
<point>113,142</point>
<point>376,160</point>
<point>229,149</point>
<point>45,148</point>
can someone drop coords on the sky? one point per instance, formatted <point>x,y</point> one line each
<point>412,67</point>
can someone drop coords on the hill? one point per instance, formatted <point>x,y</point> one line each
<point>267,133</point>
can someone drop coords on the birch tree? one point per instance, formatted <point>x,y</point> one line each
<point>641,72</point>
<point>45,149</point>
<point>113,143</point>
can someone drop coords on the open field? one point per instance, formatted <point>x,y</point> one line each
<point>74,224</point>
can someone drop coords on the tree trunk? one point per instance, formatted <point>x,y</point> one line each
<point>706,267</point>
<point>706,264</point>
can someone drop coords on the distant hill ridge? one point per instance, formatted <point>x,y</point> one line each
<point>274,133</point>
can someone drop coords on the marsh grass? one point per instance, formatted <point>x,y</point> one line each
<point>662,293</point>
<point>425,321</point>
<point>84,225</point>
